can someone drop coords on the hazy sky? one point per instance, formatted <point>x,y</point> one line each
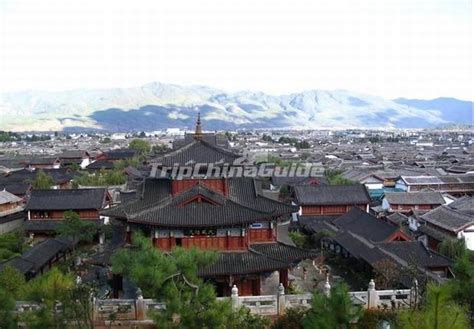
<point>391,48</point>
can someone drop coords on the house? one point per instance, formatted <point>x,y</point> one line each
<point>455,220</point>
<point>46,208</point>
<point>43,163</point>
<point>330,200</point>
<point>21,190</point>
<point>404,202</point>
<point>9,203</point>
<point>11,212</point>
<point>226,214</point>
<point>75,157</point>
<point>452,184</point>
<point>369,227</point>
<point>117,155</point>
<point>61,177</point>
<point>40,257</point>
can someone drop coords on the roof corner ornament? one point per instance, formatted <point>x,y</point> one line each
<point>198,132</point>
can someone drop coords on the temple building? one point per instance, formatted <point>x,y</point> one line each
<point>222,213</point>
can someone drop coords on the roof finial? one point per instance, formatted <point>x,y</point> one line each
<point>198,132</point>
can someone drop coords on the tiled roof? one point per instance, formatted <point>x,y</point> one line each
<point>449,218</point>
<point>47,225</point>
<point>331,194</point>
<point>7,197</point>
<point>263,257</point>
<point>364,224</point>
<point>73,199</point>
<point>101,164</point>
<point>38,256</point>
<point>418,198</point>
<point>197,151</point>
<point>415,252</point>
<point>155,205</point>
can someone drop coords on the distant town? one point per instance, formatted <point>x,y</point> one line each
<point>111,230</point>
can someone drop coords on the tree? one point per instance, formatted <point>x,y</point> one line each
<point>78,230</point>
<point>452,248</point>
<point>51,289</point>
<point>139,145</point>
<point>12,281</point>
<point>439,312</point>
<point>7,308</point>
<point>292,319</point>
<point>334,312</point>
<point>160,149</point>
<point>386,273</point>
<point>334,177</point>
<point>172,278</point>
<point>463,283</point>
<point>43,180</point>
<point>11,244</point>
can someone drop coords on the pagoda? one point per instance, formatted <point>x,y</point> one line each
<point>227,214</point>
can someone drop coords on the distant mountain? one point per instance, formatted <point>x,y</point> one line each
<point>157,105</point>
<point>452,110</point>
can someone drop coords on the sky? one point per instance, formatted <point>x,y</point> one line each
<point>389,48</point>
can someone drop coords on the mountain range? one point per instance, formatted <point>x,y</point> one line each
<point>156,106</point>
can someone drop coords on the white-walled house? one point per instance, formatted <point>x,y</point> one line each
<point>455,220</point>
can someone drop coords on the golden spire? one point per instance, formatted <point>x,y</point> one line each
<point>198,132</point>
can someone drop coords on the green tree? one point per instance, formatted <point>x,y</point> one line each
<point>463,283</point>
<point>7,308</point>
<point>11,244</point>
<point>334,177</point>
<point>452,248</point>
<point>75,228</point>
<point>140,145</point>
<point>12,281</point>
<point>172,278</point>
<point>160,149</point>
<point>43,180</point>
<point>51,289</point>
<point>439,311</point>
<point>292,319</point>
<point>334,312</point>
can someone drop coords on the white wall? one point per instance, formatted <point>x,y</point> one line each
<point>468,235</point>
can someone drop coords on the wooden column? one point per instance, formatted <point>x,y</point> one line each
<point>283,274</point>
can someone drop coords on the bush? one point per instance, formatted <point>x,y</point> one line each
<point>301,240</point>
<point>292,319</point>
<point>371,319</point>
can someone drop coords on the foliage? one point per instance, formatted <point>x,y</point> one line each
<point>267,138</point>
<point>452,248</point>
<point>335,177</point>
<point>292,319</point>
<point>75,228</point>
<point>335,311</point>
<point>103,178</point>
<point>386,273</point>
<point>12,282</point>
<point>11,244</point>
<point>105,140</point>
<point>440,311</point>
<point>372,318</point>
<point>42,180</point>
<point>463,283</point>
<point>301,240</point>
<point>172,278</point>
<point>7,308</point>
<point>140,145</point>
<point>242,318</point>
<point>159,149</point>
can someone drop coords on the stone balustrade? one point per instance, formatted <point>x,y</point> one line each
<point>125,311</point>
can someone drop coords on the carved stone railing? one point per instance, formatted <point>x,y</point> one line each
<point>136,311</point>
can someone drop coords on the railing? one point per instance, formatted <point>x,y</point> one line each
<point>127,311</point>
